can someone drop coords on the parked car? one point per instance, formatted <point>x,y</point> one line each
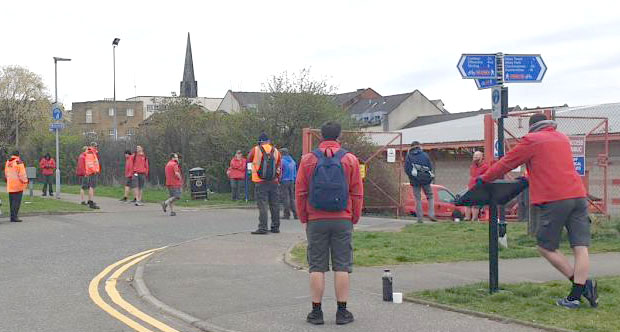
<point>444,202</point>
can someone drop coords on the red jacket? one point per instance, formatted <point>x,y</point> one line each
<point>351,167</point>
<point>174,178</point>
<point>80,168</point>
<point>47,166</point>
<point>476,170</point>
<point>129,166</point>
<point>237,169</point>
<point>140,164</point>
<point>549,160</point>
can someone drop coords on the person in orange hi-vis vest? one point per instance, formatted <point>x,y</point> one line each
<point>91,171</point>
<point>265,175</point>
<point>16,182</point>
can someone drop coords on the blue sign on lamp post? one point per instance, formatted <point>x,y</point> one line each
<point>477,66</point>
<point>56,113</point>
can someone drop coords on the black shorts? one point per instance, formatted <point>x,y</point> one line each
<point>330,238</point>
<point>554,216</point>
<point>174,192</point>
<point>89,181</point>
<point>138,181</point>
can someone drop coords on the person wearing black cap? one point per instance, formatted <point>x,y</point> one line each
<point>265,159</point>
<point>557,192</point>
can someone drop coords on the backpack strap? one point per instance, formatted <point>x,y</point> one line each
<point>262,150</point>
<point>338,155</point>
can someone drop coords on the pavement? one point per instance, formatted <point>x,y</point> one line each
<point>241,282</point>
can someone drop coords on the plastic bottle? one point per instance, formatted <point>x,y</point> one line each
<point>387,285</point>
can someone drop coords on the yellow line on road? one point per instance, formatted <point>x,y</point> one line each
<point>93,291</point>
<point>110,288</point>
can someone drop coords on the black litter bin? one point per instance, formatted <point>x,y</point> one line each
<point>198,183</point>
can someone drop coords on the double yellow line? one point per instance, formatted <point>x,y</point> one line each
<point>110,288</point>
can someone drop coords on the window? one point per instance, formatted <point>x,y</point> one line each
<point>131,131</point>
<point>111,132</point>
<point>89,116</point>
<point>130,112</point>
<point>111,112</point>
<point>445,196</point>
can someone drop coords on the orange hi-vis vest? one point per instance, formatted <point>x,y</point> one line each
<point>15,172</point>
<point>258,158</point>
<point>91,163</point>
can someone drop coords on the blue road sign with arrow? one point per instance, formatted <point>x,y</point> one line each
<point>56,113</point>
<point>477,66</point>
<point>523,68</point>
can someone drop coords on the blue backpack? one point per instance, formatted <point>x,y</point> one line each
<point>329,190</point>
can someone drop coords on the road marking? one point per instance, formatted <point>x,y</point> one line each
<point>93,291</point>
<point>110,288</point>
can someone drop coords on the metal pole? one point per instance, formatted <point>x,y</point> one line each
<point>493,250</point>
<point>114,100</point>
<point>56,130</point>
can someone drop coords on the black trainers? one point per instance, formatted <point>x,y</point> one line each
<point>275,230</point>
<point>16,220</point>
<point>590,292</point>
<point>172,214</point>
<point>569,304</point>
<point>315,317</point>
<point>344,316</point>
<point>83,203</point>
<point>93,205</point>
<point>260,232</point>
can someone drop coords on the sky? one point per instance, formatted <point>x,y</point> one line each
<point>391,46</point>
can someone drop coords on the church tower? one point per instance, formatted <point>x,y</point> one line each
<point>189,86</point>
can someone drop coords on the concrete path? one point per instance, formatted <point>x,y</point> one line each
<point>239,282</point>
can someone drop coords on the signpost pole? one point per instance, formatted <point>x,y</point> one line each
<point>56,130</point>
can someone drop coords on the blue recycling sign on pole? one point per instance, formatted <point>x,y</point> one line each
<point>524,68</point>
<point>477,66</point>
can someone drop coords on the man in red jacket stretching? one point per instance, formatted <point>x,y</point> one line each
<point>557,192</point>
<point>174,182</point>
<point>330,194</point>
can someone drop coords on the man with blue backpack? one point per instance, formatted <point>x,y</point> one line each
<point>420,171</point>
<point>287,184</point>
<point>266,170</point>
<point>330,195</point>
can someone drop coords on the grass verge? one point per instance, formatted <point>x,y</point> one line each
<point>155,195</point>
<point>450,242</point>
<point>536,303</point>
<point>38,204</point>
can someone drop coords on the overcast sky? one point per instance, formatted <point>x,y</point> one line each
<point>390,46</point>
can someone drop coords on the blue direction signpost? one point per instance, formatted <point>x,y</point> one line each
<point>477,66</point>
<point>524,68</point>
<point>486,83</point>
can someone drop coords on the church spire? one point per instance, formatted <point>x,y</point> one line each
<point>189,85</point>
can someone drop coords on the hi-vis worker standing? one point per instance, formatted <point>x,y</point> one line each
<point>265,173</point>
<point>91,170</point>
<point>16,182</point>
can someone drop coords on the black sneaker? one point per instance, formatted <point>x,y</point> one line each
<point>172,214</point>
<point>275,230</point>
<point>260,232</point>
<point>344,316</point>
<point>83,203</point>
<point>16,220</point>
<point>93,205</point>
<point>569,304</point>
<point>44,194</point>
<point>590,292</point>
<point>315,317</point>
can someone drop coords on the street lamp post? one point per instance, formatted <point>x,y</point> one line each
<point>114,44</point>
<point>56,59</point>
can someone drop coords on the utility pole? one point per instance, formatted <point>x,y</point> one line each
<point>114,44</point>
<point>57,115</point>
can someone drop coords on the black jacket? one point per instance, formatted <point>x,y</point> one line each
<point>416,157</point>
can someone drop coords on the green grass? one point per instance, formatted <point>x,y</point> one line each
<point>450,242</point>
<point>39,204</point>
<point>155,195</point>
<point>536,303</point>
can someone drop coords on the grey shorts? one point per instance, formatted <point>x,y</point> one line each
<point>175,192</point>
<point>128,183</point>
<point>569,213</point>
<point>138,181</point>
<point>89,182</point>
<point>330,238</point>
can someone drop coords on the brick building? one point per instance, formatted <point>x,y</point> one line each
<point>96,118</point>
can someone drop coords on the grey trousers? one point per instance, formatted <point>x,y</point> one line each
<point>266,194</point>
<point>236,186</point>
<point>287,194</point>
<point>47,184</point>
<point>417,193</point>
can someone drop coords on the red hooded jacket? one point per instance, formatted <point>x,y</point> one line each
<point>140,164</point>
<point>549,160</point>
<point>237,169</point>
<point>351,167</point>
<point>47,166</point>
<point>80,168</point>
<point>172,180</point>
